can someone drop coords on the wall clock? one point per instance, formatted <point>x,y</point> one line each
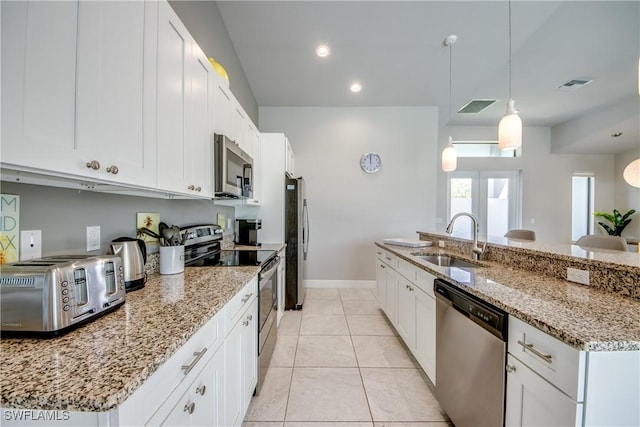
<point>370,162</point>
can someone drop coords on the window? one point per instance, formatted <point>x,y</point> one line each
<point>482,149</point>
<point>493,197</point>
<point>582,196</point>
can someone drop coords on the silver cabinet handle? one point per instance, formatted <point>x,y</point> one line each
<point>246,298</point>
<point>510,368</point>
<point>93,164</point>
<point>388,259</point>
<point>201,390</point>
<point>198,354</point>
<point>198,188</point>
<point>245,323</point>
<point>250,317</point>
<point>189,408</point>
<point>382,266</point>
<point>191,187</point>
<point>113,169</point>
<point>545,357</point>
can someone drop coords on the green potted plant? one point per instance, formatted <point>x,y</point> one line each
<point>618,221</point>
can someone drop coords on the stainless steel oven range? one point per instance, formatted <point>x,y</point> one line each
<point>202,249</point>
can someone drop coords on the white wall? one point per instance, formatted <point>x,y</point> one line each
<point>627,197</point>
<point>349,209</point>
<point>546,180</point>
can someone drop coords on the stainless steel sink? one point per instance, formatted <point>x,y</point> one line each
<point>447,261</point>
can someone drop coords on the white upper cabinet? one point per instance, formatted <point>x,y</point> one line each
<point>116,89</point>
<point>290,160</point>
<point>239,123</point>
<point>184,82</point>
<point>39,85</point>
<point>77,84</point>
<point>221,107</point>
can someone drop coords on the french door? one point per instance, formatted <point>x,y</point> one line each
<point>493,197</point>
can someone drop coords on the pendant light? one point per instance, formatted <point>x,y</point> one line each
<point>449,156</point>
<point>510,127</point>
<point>631,173</point>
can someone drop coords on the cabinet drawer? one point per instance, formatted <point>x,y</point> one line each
<point>560,364</point>
<point>407,269</point>
<point>239,303</point>
<point>139,407</point>
<point>387,257</point>
<point>424,281</point>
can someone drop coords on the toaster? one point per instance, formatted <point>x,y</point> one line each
<point>50,296</point>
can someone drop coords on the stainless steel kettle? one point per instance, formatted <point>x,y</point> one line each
<point>134,255</point>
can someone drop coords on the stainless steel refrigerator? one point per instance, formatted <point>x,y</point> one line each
<point>296,234</point>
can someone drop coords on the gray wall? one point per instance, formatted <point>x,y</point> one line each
<point>63,214</point>
<point>349,209</point>
<point>204,22</point>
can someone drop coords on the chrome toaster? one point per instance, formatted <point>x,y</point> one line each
<point>50,296</point>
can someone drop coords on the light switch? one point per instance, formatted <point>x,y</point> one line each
<point>30,244</point>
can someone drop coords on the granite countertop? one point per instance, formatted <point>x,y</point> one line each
<point>97,366</point>
<point>585,318</point>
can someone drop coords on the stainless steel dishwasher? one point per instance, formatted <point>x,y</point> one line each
<point>470,357</point>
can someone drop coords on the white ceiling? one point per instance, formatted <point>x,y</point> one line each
<point>395,48</point>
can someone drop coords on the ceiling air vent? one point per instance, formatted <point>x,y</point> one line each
<point>572,85</point>
<point>476,105</point>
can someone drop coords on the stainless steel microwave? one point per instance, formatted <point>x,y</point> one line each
<point>233,169</point>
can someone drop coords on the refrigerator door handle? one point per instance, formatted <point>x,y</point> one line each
<point>305,229</point>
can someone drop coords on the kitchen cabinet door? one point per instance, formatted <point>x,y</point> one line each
<point>116,89</point>
<point>253,136</point>
<point>249,355</point>
<point>425,349</point>
<point>532,401</point>
<point>392,296</point>
<point>281,275</point>
<point>39,85</point>
<point>198,146</point>
<point>290,160</point>
<point>239,126</point>
<point>381,283</point>
<point>241,365</point>
<point>406,323</point>
<point>208,393</point>
<point>221,108</point>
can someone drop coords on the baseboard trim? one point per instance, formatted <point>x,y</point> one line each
<point>363,284</point>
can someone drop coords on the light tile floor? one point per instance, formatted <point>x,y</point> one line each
<point>338,363</point>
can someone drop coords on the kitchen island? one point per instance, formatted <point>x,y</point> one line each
<point>98,366</point>
<point>572,351</point>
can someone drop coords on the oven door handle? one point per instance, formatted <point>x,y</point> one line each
<point>269,272</point>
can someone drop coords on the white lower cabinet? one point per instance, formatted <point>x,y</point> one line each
<point>532,401</point>
<point>405,293</point>
<point>202,403</point>
<point>552,384</point>
<point>241,365</point>
<point>425,349</point>
<point>406,325</point>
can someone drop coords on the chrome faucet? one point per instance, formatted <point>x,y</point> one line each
<point>476,251</point>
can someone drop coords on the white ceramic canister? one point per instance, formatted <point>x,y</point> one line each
<point>171,259</point>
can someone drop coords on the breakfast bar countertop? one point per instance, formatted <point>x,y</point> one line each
<point>585,318</point>
<point>99,365</point>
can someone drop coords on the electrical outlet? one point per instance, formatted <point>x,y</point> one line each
<point>578,276</point>
<point>93,238</point>
<point>441,243</point>
<point>30,244</point>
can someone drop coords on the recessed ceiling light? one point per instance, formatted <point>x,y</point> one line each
<point>617,134</point>
<point>323,51</point>
<point>355,87</point>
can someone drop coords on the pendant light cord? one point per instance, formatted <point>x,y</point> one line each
<point>450,79</point>
<point>509,49</point>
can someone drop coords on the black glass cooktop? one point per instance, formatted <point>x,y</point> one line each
<point>232,259</point>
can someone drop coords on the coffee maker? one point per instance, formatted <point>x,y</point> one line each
<point>247,231</point>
